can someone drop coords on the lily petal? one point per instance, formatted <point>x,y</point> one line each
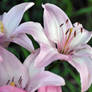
<point>1,59</point>
<point>11,69</point>
<point>12,19</point>
<point>29,64</point>
<point>81,37</point>
<point>83,64</point>
<point>10,89</point>
<point>45,78</point>
<point>83,50</point>
<point>50,89</point>
<point>53,18</point>
<point>47,55</point>
<point>34,29</point>
<point>24,41</point>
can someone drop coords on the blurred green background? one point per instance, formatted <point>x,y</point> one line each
<point>77,10</point>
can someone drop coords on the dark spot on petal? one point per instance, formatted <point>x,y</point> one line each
<point>67,21</point>
<point>61,25</point>
<point>74,33</point>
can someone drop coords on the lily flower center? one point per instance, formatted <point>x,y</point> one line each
<point>1,27</point>
<point>12,82</point>
<point>69,35</point>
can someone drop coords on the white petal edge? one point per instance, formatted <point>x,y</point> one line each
<point>12,19</point>
<point>45,78</point>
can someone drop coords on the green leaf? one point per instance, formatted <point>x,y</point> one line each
<point>83,11</point>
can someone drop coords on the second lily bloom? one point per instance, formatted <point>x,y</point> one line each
<point>18,77</point>
<point>60,39</point>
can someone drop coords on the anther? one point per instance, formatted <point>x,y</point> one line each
<point>67,21</point>
<point>8,82</point>
<point>81,30</point>
<point>61,25</point>
<point>67,32</point>
<point>74,33</point>
<point>20,80</point>
<point>56,45</point>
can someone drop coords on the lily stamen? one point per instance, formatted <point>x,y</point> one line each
<point>8,82</point>
<point>67,21</point>
<point>20,81</point>
<point>12,83</point>
<point>70,31</point>
<point>61,25</point>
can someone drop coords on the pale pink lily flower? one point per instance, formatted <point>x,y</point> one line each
<point>9,22</point>
<point>50,89</point>
<point>25,76</point>
<point>62,40</point>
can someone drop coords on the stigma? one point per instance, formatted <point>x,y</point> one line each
<point>12,83</point>
<point>1,27</point>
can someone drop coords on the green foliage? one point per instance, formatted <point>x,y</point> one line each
<point>77,10</point>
